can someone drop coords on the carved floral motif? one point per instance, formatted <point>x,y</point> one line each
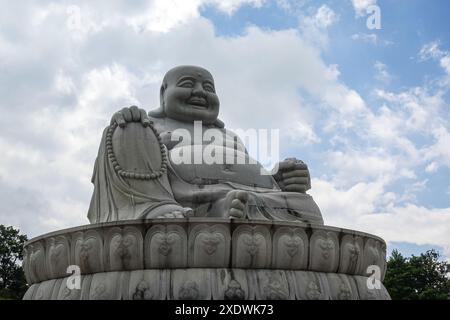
<point>234,291</point>
<point>313,291</point>
<point>143,291</point>
<point>189,291</point>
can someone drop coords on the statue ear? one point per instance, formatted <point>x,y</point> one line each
<point>161,95</point>
<point>157,113</point>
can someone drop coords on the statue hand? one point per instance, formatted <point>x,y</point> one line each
<point>131,114</point>
<point>293,176</point>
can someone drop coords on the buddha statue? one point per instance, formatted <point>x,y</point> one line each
<point>138,173</point>
<point>166,185</point>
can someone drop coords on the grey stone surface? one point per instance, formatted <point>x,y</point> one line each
<point>206,284</point>
<point>202,243</point>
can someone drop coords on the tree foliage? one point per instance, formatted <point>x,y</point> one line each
<point>12,278</point>
<point>418,277</point>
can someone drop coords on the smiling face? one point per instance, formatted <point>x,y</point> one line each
<point>188,94</point>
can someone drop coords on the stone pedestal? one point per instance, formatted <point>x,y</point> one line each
<point>199,258</point>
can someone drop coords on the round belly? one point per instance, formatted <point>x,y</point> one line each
<point>205,165</point>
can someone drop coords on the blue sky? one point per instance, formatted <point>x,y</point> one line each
<point>368,110</point>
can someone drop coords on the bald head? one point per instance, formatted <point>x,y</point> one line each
<point>173,74</point>
<point>188,94</point>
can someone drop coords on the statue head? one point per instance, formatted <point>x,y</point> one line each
<point>188,94</point>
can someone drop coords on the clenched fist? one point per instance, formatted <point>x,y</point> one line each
<point>293,176</point>
<point>131,114</point>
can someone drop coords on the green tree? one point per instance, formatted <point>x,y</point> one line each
<point>12,278</point>
<point>417,277</point>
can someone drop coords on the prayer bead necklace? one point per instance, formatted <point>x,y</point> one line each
<point>135,175</point>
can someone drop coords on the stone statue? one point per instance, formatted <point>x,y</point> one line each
<point>145,145</point>
<point>233,230</point>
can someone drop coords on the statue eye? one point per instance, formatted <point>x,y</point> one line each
<point>186,84</point>
<point>208,87</point>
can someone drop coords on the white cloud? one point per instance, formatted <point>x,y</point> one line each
<point>360,6</point>
<point>371,38</point>
<point>340,206</point>
<point>352,166</point>
<point>384,148</point>
<point>284,4</point>
<point>433,51</point>
<point>366,37</point>
<point>414,110</point>
<point>230,6</point>
<point>293,7</point>
<point>382,73</point>
<point>445,63</point>
<point>432,167</point>
<point>325,17</point>
<point>314,27</point>
<point>64,83</point>
<point>302,133</point>
<point>439,151</point>
<point>163,15</point>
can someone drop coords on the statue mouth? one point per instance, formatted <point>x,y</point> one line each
<point>198,102</point>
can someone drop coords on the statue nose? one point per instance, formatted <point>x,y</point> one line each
<point>198,91</point>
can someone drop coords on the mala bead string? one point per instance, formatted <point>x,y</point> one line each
<point>135,175</point>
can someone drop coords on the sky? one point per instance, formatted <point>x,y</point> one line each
<point>366,108</point>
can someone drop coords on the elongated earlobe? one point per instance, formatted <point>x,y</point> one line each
<point>161,95</point>
<point>157,113</point>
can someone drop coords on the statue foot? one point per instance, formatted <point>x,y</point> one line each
<point>236,204</point>
<point>174,214</point>
<point>169,211</point>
